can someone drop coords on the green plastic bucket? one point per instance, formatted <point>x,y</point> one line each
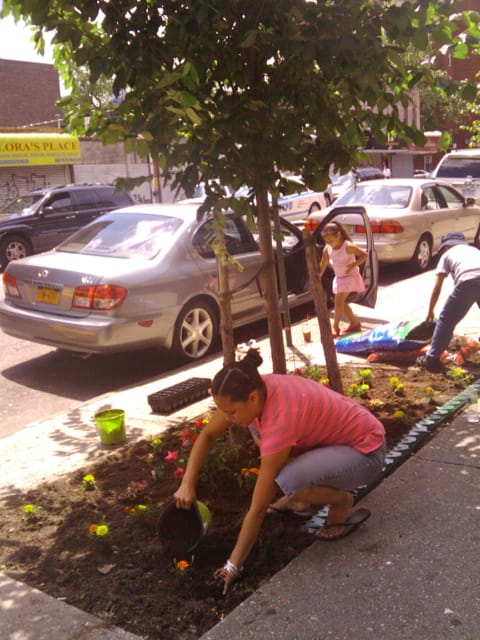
<point>111,426</point>
<point>181,530</point>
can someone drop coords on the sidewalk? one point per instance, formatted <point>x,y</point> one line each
<point>403,577</point>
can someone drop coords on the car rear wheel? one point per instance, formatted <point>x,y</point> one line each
<point>423,254</point>
<point>196,331</point>
<point>13,248</point>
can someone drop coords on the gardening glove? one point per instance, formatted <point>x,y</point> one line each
<point>228,573</point>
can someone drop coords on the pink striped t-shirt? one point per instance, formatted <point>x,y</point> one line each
<point>304,415</point>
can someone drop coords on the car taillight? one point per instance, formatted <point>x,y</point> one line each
<point>381,226</point>
<point>102,297</point>
<point>10,286</point>
<point>311,225</point>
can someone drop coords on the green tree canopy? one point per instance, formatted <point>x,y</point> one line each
<point>237,91</point>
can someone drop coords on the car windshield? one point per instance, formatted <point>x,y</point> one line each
<point>459,168</point>
<point>343,179</point>
<point>23,204</point>
<point>124,236</point>
<point>391,196</point>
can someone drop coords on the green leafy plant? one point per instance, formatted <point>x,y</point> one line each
<point>460,377</point>
<point>397,386</point>
<point>365,376</point>
<point>89,483</point>
<point>247,477</point>
<point>314,372</point>
<point>30,510</point>
<point>358,390</point>
<point>99,532</point>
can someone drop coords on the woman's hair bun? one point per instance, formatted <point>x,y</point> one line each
<point>252,358</point>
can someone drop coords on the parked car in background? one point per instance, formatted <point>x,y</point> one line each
<point>461,169</point>
<point>341,182</point>
<point>43,218</point>
<point>408,217</point>
<point>146,276</point>
<point>295,206</point>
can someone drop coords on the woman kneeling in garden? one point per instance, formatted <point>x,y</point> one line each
<point>315,445</point>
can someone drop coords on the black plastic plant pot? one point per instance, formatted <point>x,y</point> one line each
<point>181,530</point>
<point>179,395</point>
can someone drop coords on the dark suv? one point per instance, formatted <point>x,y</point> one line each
<point>43,218</point>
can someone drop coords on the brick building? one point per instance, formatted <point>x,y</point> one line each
<point>458,69</point>
<point>28,99</point>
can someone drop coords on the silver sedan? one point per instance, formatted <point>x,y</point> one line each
<point>408,217</point>
<point>146,276</point>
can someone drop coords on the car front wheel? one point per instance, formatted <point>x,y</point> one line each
<point>196,331</point>
<point>13,248</point>
<point>423,254</point>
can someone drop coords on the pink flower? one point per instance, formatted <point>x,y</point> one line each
<point>178,473</point>
<point>171,455</point>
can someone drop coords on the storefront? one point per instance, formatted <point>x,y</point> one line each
<point>31,161</point>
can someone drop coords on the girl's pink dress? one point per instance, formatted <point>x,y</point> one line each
<point>343,281</point>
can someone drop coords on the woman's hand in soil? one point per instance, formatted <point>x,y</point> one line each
<point>228,573</point>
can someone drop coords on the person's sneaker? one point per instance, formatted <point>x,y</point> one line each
<point>430,364</point>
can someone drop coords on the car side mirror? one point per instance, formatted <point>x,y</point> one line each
<point>48,210</point>
<point>470,202</point>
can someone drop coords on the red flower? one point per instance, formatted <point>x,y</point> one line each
<point>178,473</point>
<point>198,424</point>
<point>171,455</point>
<point>194,437</point>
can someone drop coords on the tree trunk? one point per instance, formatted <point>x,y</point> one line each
<point>269,283</point>
<point>225,297</point>
<point>320,301</point>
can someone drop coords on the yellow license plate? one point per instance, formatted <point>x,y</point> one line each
<point>48,295</point>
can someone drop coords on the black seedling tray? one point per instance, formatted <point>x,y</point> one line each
<point>179,395</point>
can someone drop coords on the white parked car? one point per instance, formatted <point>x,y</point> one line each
<point>408,217</point>
<point>461,169</point>
<point>299,204</point>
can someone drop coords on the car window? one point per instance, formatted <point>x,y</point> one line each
<point>84,198</point>
<point>110,198</point>
<point>454,167</point>
<point>23,204</point>
<point>429,199</point>
<point>451,199</point>
<point>61,203</point>
<point>394,197</point>
<point>124,236</point>
<point>237,238</point>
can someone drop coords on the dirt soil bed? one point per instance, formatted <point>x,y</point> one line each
<point>126,577</point>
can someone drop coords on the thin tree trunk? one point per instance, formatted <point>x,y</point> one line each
<point>269,283</point>
<point>320,301</point>
<point>225,297</point>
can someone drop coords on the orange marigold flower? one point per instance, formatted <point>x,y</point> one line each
<point>93,528</point>
<point>182,565</point>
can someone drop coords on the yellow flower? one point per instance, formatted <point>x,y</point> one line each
<point>141,508</point>
<point>102,530</point>
<point>430,391</point>
<point>29,508</point>
<point>394,380</point>
<point>89,478</point>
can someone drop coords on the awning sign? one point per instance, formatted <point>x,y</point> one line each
<point>20,149</point>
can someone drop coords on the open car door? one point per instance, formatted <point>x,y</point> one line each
<point>357,224</point>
